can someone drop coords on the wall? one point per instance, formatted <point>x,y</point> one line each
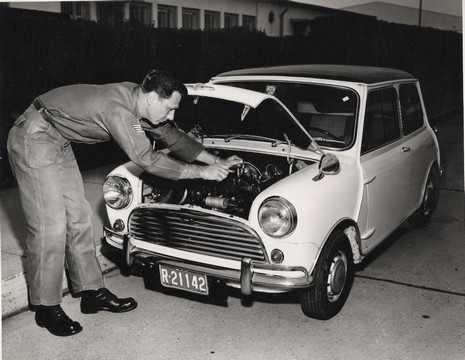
<point>50,6</point>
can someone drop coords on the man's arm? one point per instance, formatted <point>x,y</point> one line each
<point>136,145</point>
<point>125,130</point>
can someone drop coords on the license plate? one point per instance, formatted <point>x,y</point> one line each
<point>184,280</point>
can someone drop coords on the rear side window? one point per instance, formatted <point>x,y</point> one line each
<point>381,119</point>
<point>410,107</point>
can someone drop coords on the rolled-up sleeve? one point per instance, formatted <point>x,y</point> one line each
<point>182,145</point>
<point>126,130</point>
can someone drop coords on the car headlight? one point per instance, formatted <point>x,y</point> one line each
<point>277,217</point>
<point>117,192</point>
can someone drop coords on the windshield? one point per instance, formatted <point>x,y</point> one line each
<point>326,112</point>
<point>233,120</point>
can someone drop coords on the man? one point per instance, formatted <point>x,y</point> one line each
<point>52,195</point>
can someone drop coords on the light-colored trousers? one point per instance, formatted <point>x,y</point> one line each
<point>57,214</point>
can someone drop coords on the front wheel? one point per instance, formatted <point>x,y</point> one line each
<point>333,279</point>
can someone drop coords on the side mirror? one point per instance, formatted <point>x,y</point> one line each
<point>329,165</point>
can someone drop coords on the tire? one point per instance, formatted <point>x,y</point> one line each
<point>333,278</point>
<point>422,215</point>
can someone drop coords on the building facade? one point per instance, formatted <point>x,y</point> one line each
<point>273,17</point>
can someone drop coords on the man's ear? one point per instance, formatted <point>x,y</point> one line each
<point>152,97</point>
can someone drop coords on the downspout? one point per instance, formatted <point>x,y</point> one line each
<point>281,20</point>
<point>256,15</point>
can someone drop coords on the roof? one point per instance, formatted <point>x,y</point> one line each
<point>352,73</point>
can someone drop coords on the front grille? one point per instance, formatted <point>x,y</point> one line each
<point>197,232</point>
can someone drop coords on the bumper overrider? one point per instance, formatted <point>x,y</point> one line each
<point>247,274</point>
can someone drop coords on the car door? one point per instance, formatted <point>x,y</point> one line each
<point>386,165</point>
<point>417,138</point>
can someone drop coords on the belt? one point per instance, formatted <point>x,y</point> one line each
<point>42,111</point>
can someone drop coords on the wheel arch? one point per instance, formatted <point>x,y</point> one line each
<point>434,166</point>
<point>350,228</point>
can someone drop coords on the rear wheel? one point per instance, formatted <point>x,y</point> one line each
<point>423,214</point>
<point>333,279</point>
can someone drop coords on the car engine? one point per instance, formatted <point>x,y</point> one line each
<point>234,195</point>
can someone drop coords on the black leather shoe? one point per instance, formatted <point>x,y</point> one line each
<point>102,299</point>
<point>54,319</point>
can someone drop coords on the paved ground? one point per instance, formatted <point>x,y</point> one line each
<point>408,302</point>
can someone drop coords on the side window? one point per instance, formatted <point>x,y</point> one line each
<point>410,107</point>
<point>381,119</point>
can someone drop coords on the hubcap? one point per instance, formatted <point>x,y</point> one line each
<point>337,276</point>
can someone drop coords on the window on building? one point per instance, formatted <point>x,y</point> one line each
<point>140,13</point>
<point>381,119</point>
<point>190,19</point>
<point>410,107</point>
<point>110,13</point>
<point>75,9</point>
<point>212,20</point>
<point>167,16</point>
<point>248,22</point>
<point>231,20</point>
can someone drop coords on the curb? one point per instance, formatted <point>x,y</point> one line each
<point>14,288</point>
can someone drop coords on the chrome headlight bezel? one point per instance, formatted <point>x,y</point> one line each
<point>277,217</point>
<point>117,192</point>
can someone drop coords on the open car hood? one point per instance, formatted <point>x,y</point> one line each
<point>243,114</point>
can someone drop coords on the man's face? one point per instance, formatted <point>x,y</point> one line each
<point>160,109</point>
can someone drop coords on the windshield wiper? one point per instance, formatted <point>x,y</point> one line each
<point>332,141</point>
<point>275,142</point>
<point>249,137</point>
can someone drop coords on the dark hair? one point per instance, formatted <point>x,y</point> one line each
<point>163,83</point>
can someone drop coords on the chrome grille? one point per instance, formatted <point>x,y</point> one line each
<point>197,232</point>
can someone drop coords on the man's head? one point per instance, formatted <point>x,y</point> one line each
<point>161,96</point>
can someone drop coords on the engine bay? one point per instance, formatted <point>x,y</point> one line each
<point>234,195</point>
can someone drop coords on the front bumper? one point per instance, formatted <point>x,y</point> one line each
<point>247,275</point>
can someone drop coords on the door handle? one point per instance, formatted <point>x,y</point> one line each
<point>405,148</point>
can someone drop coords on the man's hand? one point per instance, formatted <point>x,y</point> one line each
<point>217,172</point>
<point>230,161</point>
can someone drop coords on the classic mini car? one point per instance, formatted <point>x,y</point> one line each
<point>335,159</point>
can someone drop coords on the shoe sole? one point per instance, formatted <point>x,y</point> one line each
<point>95,311</point>
<point>58,333</point>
